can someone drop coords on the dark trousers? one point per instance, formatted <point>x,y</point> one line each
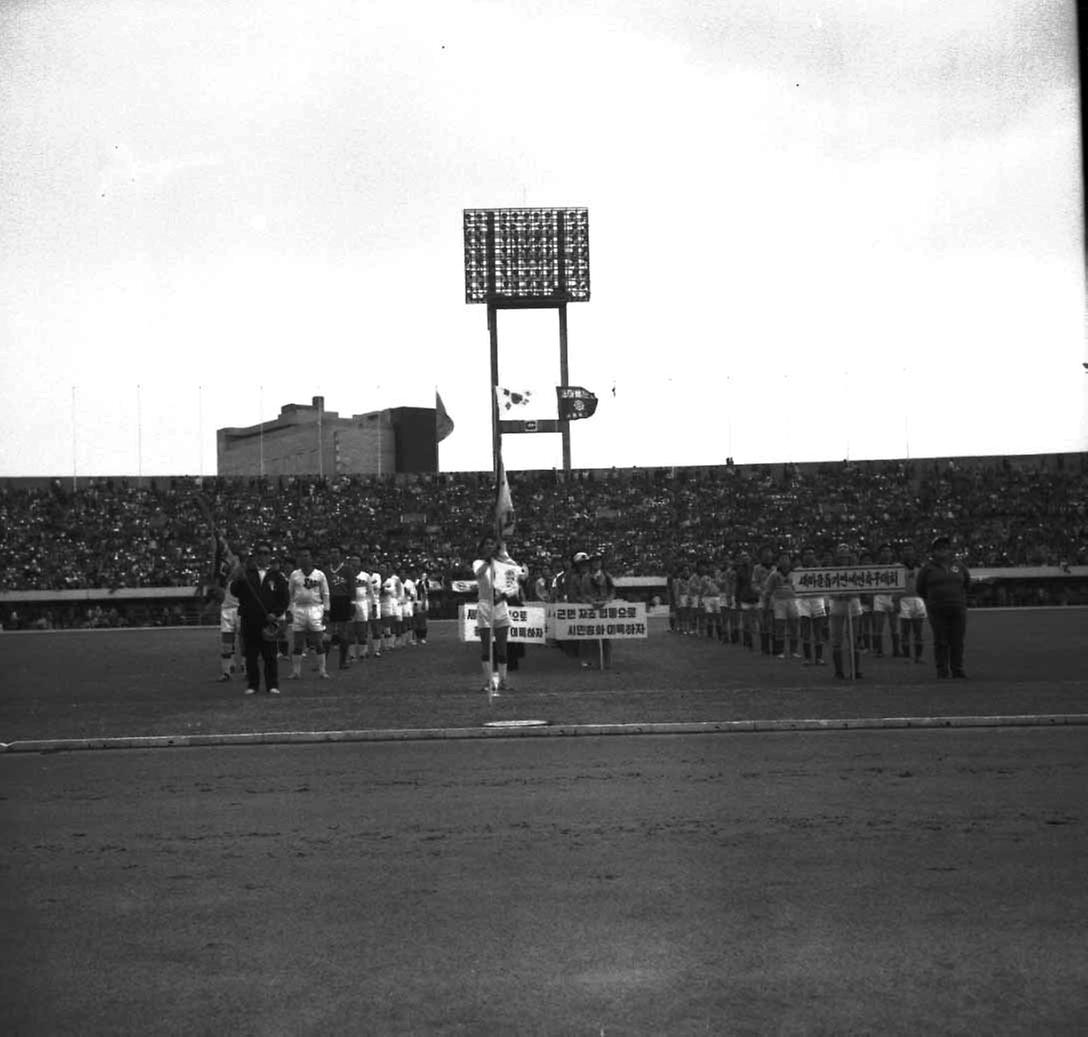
<point>257,648</point>
<point>949,625</point>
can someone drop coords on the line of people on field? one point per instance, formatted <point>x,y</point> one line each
<point>295,607</point>
<point>750,602</point>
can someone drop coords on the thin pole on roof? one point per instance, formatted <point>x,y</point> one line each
<point>73,437</point>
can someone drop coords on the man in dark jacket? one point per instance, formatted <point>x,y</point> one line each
<point>263,598</point>
<point>942,584</point>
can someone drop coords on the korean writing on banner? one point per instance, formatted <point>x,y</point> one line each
<point>579,622</point>
<point>526,623</point>
<point>850,579</point>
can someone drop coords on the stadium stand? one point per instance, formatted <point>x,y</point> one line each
<point>125,533</point>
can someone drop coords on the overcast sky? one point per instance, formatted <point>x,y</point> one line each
<point>817,228</point>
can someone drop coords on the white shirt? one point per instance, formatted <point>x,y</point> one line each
<point>309,589</point>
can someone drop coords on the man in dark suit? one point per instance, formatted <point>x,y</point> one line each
<point>942,583</point>
<point>263,598</point>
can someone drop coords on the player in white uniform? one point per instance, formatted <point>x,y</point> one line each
<point>376,612</point>
<point>309,613</point>
<point>409,596</point>
<point>360,641</point>
<point>230,631</point>
<point>496,581</point>
<point>390,610</point>
<point>812,612</point>
<point>780,592</point>
<point>912,609</point>
<point>884,606</point>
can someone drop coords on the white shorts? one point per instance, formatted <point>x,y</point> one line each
<point>684,601</point>
<point>228,620</point>
<point>711,604</point>
<point>912,608</point>
<point>883,603</point>
<point>308,619</point>
<point>785,608</point>
<point>483,615</point>
<point>811,608</point>
<point>362,611</point>
<point>845,606</point>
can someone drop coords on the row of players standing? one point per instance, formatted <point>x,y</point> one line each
<point>743,602</point>
<point>266,615</point>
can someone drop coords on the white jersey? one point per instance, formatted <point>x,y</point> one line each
<point>410,592</point>
<point>392,588</point>
<point>362,587</point>
<point>495,581</point>
<point>309,589</point>
<point>375,587</point>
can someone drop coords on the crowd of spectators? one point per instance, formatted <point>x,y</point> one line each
<point>116,533</point>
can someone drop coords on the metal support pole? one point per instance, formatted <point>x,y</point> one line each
<point>564,380</point>
<point>496,435</point>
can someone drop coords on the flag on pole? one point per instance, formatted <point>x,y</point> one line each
<point>504,505</point>
<point>443,423</point>
<point>507,398</point>
<point>575,402</point>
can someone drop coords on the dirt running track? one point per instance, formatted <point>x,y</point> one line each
<point>849,882</point>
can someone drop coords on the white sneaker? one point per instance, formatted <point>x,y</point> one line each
<point>251,691</point>
<point>273,691</point>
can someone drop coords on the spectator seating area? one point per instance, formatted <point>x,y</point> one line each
<point>114,533</point>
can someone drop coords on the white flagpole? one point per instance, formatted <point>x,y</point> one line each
<point>139,436</point>
<point>491,638</point>
<point>260,433</point>
<point>74,467</point>
<point>200,430</point>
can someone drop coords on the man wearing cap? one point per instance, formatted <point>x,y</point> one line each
<point>942,585</point>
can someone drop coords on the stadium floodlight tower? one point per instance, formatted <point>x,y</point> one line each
<point>526,259</point>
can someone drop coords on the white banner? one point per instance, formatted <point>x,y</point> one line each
<point>849,580</point>
<point>616,620</point>
<point>526,623</point>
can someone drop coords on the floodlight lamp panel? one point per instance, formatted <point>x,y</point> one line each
<point>532,255</point>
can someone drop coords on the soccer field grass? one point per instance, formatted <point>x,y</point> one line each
<point>892,882</point>
<point>843,882</point>
<point>128,683</point>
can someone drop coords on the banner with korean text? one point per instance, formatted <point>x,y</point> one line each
<point>526,623</point>
<point>614,621</point>
<point>849,580</point>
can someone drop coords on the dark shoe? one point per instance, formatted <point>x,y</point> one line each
<point>960,674</point>
<point>942,674</point>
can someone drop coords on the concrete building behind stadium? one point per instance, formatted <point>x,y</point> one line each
<point>306,439</point>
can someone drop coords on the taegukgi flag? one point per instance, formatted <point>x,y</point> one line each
<point>507,399</point>
<point>505,517</point>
